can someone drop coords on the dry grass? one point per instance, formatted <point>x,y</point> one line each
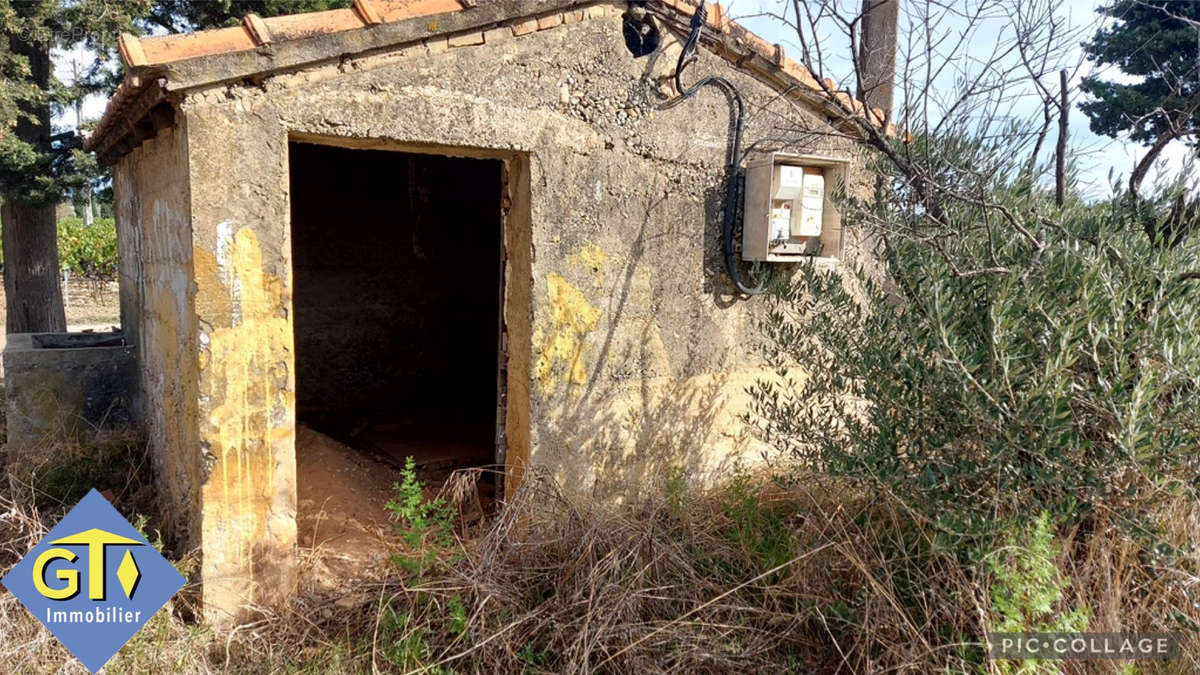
<point>749,577</point>
<point>1126,585</point>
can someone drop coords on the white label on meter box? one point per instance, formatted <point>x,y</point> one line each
<point>790,180</point>
<point>781,219</point>
<point>812,202</point>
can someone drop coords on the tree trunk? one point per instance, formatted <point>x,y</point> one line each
<point>1060,153</point>
<point>876,58</point>
<point>31,284</point>
<point>76,76</point>
<point>33,296</point>
<point>1177,125</point>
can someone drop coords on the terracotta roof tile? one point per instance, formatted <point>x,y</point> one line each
<point>394,10</point>
<point>130,48</point>
<point>166,49</point>
<point>549,21</point>
<point>258,29</point>
<point>525,26</point>
<point>297,26</point>
<point>367,11</point>
<point>147,55</point>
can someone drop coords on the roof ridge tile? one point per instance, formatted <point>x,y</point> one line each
<point>366,11</point>
<point>257,29</point>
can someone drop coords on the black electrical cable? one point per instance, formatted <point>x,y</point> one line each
<point>733,172</point>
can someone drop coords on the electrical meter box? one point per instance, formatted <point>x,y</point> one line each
<point>788,213</point>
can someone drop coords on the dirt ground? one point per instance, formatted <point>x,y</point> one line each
<point>89,305</point>
<point>341,521</point>
<point>92,305</point>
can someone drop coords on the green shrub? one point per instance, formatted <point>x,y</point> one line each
<point>1027,590</point>
<point>755,526</point>
<point>1006,357</point>
<point>70,470</point>
<point>426,525</point>
<point>405,645</point>
<point>1064,384</point>
<point>88,251</point>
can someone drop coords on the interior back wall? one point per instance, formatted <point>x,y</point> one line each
<point>396,273</point>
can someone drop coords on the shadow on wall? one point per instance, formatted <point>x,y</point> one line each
<point>628,420</point>
<point>656,79</point>
<point>614,434</point>
<point>716,277</point>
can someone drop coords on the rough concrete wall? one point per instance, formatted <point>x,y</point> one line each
<point>241,276</point>
<point>154,234</point>
<point>640,352</point>
<point>60,394</point>
<point>126,208</point>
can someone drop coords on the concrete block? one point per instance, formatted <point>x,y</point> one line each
<point>524,27</point>
<point>63,387</point>
<point>549,21</point>
<point>465,40</point>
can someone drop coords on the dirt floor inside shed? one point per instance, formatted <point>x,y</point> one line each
<point>344,532</point>
<point>341,519</point>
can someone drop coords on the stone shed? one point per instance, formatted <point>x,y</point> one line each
<point>479,234</point>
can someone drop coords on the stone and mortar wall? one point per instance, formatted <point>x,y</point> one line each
<point>62,394</point>
<point>157,296</point>
<point>246,416</point>
<point>639,353</point>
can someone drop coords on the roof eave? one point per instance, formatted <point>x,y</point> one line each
<point>742,48</point>
<point>202,71</point>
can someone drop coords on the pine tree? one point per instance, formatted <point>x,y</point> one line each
<point>38,166</point>
<point>1157,42</point>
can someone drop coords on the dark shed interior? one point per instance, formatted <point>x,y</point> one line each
<point>396,293</point>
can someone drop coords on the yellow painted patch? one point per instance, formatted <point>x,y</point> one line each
<point>572,317</point>
<point>590,258</point>
<point>245,382</point>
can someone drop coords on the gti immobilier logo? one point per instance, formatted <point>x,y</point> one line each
<point>94,581</point>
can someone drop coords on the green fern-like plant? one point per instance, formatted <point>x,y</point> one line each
<point>426,525</point>
<point>1027,590</point>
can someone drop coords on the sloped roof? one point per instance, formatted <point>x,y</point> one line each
<point>156,65</point>
<point>256,31</point>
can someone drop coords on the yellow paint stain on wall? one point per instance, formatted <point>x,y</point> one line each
<point>572,318</point>
<point>246,417</point>
<point>590,258</point>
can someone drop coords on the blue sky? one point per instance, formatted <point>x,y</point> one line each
<point>1095,156</point>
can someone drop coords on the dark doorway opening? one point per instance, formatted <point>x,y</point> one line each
<point>396,277</point>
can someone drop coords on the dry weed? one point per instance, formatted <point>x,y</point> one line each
<point>750,577</point>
